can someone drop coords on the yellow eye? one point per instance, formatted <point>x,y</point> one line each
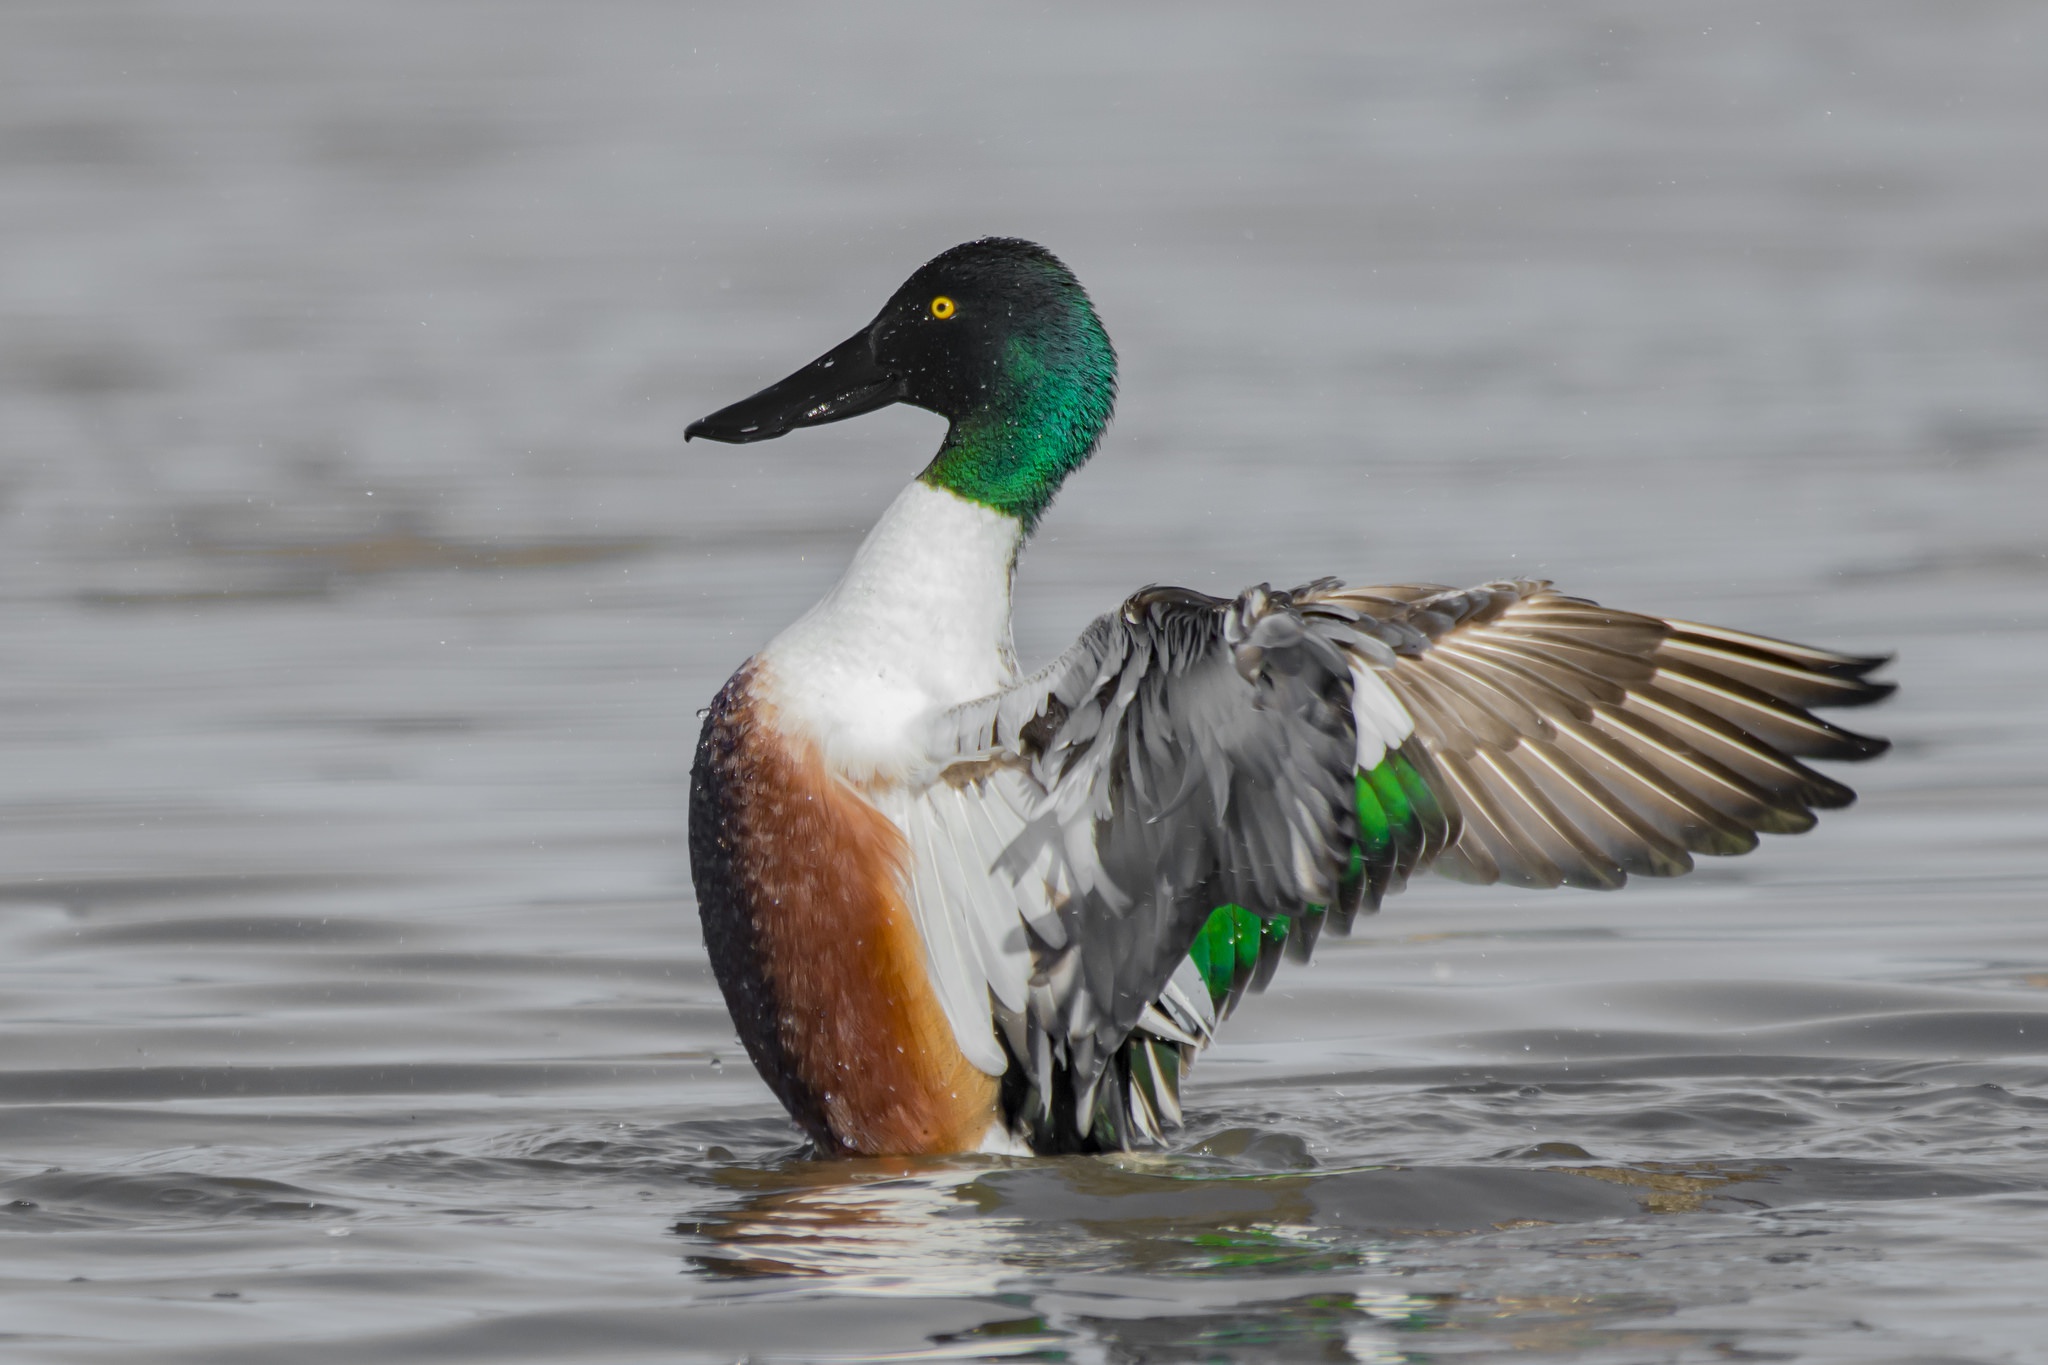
<point>942,307</point>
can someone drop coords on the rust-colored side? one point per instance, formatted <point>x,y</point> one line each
<point>800,885</point>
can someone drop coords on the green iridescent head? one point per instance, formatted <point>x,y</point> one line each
<point>997,337</point>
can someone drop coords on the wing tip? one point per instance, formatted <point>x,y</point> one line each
<point>1868,691</point>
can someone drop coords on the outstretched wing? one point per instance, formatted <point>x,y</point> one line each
<point>1293,756</point>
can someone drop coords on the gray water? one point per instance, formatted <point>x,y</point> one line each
<point>357,596</point>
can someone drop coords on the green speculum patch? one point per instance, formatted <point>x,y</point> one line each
<point>1226,951</point>
<point>1394,806</point>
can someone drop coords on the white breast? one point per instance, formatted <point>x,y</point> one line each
<point>919,622</point>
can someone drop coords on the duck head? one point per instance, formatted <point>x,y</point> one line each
<point>997,337</point>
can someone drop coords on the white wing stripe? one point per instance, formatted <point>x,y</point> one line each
<point>1382,722</point>
<point>959,981</point>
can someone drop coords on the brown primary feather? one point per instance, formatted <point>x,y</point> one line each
<point>1581,744</point>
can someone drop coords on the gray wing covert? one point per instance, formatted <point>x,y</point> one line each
<point>1188,752</point>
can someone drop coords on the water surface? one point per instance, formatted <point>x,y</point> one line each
<point>357,596</point>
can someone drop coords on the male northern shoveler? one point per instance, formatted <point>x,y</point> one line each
<point>952,908</point>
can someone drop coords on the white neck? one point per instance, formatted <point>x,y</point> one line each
<point>919,623</point>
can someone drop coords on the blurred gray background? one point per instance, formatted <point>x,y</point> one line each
<point>341,345</point>
<point>357,592</point>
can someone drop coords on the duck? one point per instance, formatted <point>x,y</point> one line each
<point>953,907</point>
